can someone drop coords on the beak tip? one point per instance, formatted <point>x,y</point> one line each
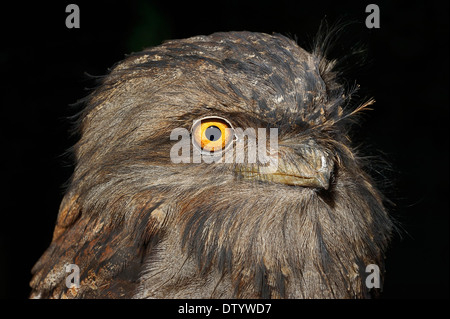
<point>324,182</point>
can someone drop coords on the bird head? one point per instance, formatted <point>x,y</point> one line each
<point>226,155</point>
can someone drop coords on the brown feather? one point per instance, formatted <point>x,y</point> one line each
<point>140,226</point>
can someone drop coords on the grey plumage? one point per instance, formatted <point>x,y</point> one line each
<point>141,226</point>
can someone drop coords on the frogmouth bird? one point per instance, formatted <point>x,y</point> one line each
<point>139,223</point>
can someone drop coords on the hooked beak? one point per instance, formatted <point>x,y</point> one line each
<point>306,167</point>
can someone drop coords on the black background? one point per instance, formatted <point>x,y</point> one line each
<point>43,67</point>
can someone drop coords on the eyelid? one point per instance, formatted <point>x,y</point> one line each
<point>211,118</point>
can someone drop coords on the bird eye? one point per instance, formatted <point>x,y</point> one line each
<point>212,134</point>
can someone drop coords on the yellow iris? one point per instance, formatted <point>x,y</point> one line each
<point>211,134</point>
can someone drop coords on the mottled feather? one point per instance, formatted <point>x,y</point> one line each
<point>140,226</point>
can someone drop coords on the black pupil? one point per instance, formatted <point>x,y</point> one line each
<point>213,133</point>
